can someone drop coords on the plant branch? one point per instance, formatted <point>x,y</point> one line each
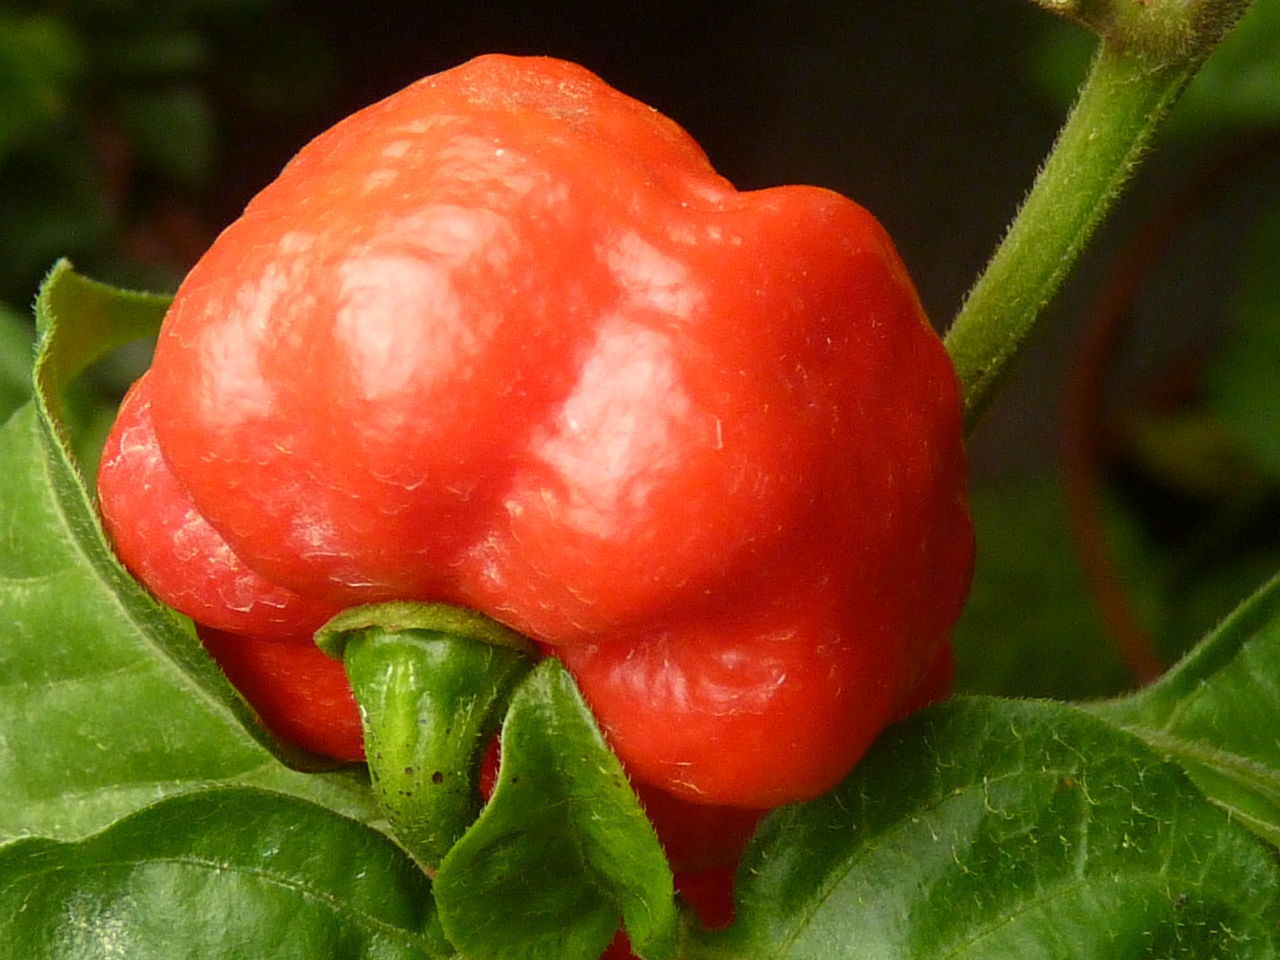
<point>1118,109</point>
<point>1149,50</point>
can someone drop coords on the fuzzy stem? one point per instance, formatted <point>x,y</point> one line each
<point>433,683</point>
<point>1119,107</point>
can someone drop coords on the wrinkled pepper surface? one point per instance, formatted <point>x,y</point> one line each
<point>506,340</point>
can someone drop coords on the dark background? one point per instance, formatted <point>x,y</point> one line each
<point>932,117</point>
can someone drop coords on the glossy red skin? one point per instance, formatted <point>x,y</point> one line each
<point>168,545</point>
<point>324,720</point>
<point>300,693</point>
<point>506,340</point>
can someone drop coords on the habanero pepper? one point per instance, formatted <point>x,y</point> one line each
<point>505,340</point>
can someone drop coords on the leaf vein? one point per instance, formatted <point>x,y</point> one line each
<point>305,891</point>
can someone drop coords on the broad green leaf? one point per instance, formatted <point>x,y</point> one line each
<point>1002,829</point>
<point>107,700</point>
<point>1217,714</point>
<point>563,849</point>
<point>230,873</point>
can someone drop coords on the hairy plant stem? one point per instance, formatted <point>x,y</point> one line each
<point>1120,106</point>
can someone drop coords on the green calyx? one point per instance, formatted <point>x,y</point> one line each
<point>432,682</point>
<point>405,617</point>
<point>1163,32</point>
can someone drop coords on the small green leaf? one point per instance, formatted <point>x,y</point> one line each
<point>107,700</point>
<point>1192,452</point>
<point>231,873</point>
<point>1000,829</point>
<point>1217,713</point>
<point>563,848</point>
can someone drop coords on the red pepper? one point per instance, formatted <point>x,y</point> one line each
<point>506,340</point>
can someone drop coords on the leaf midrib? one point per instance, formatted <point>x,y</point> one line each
<point>875,842</point>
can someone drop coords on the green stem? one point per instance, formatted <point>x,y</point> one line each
<point>1119,107</point>
<point>432,682</point>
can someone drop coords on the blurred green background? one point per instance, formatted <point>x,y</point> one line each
<point>1126,483</point>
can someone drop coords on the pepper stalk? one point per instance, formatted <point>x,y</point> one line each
<point>1148,51</point>
<point>432,682</point>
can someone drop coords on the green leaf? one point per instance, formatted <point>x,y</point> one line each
<point>998,829</point>
<point>227,874</point>
<point>1217,714</point>
<point>107,700</point>
<point>563,847</point>
<point>1192,451</point>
